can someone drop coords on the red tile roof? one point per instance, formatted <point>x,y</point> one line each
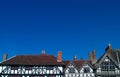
<point>66,62</point>
<point>78,63</point>
<point>42,59</point>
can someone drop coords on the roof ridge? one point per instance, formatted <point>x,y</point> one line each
<point>9,59</point>
<point>35,55</point>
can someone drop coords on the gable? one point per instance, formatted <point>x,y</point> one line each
<point>71,68</point>
<point>106,57</point>
<point>107,64</point>
<point>86,68</point>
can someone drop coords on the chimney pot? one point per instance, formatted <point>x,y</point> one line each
<point>90,56</point>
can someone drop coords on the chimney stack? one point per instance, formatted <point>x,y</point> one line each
<point>43,51</point>
<point>59,59</point>
<point>90,56</point>
<point>94,56</point>
<point>5,57</point>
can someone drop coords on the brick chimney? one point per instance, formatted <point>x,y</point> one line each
<point>94,56</point>
<point>90,56</point>
<point>59,58</point>
<point>5,57</point>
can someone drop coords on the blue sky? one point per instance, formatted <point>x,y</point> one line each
<point>72,26</point>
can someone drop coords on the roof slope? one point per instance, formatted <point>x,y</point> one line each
<point>78,64</point>
<point>113,54</point>
<point>116,54</point>
<point>41,59</point>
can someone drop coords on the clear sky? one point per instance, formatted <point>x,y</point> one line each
<point>72,26</point>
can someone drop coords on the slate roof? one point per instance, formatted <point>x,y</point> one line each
<point>116,54</point>
<point>42,59</point>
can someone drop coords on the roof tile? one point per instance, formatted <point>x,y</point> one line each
<point>42,59</point>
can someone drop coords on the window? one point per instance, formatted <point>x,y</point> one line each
<point>86,70</point>
<point>71,70</point>
<point>28,68</point>
<point>14,76</point>
<point>108,76</point>
<point>14,67</point>
<point>51,76</point>
<point>107,66</point>
<point>49,68</point>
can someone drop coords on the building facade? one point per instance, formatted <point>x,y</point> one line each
<point>43,65</point>
<point>108,64</point>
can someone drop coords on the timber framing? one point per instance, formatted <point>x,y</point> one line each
<point>43,65</point>
<point>32,71</point>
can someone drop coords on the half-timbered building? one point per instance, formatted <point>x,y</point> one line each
<point>71,70</point>
<point>42,65</point>
<point>78,68</point>
<point>86,69</point>
<point>108,64</point>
